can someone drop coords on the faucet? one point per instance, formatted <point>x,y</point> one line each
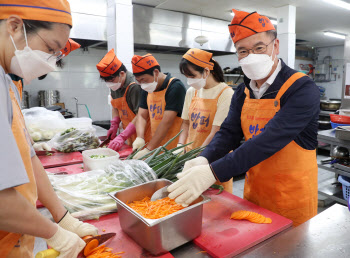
<point>77,104</point>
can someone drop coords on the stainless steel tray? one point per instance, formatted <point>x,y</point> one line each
<point>159,235</point>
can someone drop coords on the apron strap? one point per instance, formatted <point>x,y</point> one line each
<point>227,87</point>
<point>289,83</point>
<point>247,94</point>
<point>127,88</point>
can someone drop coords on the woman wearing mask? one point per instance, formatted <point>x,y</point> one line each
<point>32,33</point>
<point>207,101</point>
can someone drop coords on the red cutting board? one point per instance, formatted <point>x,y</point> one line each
<point>59,159</point>
<point>121,242</point>
<point>125,151</point>
<point>223,237</point>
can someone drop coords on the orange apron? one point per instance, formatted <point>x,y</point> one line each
<point>156,107</point>
<point>13,244</point>
<point>286,183</point>
<point>127,115</point>
<point>201,114</point>
<point>19,88</point>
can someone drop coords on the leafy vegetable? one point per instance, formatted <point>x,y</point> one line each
<point>98,156</point>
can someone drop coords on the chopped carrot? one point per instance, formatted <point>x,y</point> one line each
<point>86,237</point>
<point>251,216</point>
<point>90,247</point>
<point>103,230</point>
<point>156,209</point>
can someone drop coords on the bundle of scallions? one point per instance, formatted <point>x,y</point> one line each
<point>166,164</point>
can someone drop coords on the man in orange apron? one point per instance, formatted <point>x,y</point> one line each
<point>23,179</point>
<point>207,101</point>
<point>276,110</point>
<point>161,102</point>
<point>124,98</point>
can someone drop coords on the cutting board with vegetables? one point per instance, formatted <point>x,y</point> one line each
<point>223,237</point>
<point>59,159</point>
<point>121,242</point>
<point>125,151</point>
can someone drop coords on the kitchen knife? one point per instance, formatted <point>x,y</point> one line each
<point>52,253</point>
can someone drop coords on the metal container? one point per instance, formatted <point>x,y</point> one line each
<point>330,105</point>
<point>158,235</point>
<point>48,97</point>
<point>25,100</point>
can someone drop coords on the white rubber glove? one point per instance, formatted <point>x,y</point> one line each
<point>66,243</point>
<point>41,147</point>
<point>191,186</point>
<point>141,153</point>
<point>38,147</point>
<point>138,143</point>
<point>179,151</point>
<point>192,163</point>
<point>74,225</point>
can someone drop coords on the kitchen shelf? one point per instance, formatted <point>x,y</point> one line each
<point>233,75</point>
<point>328,189</point>
<point>326,113</point>
<point>332,191</point>
<point>332,169</point>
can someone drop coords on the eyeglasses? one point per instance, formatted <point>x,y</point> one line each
<point>259,49</point>
<point>56,55</point>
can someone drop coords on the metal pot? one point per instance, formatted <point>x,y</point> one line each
<point>324,125</point>
<point>330,105</point>
<point>48,97</point>
<point>340,153</point>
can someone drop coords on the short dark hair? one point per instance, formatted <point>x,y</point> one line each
<point>122,68</point>
<point>149,71</point>
<point>216,72</point>
<point>272,33</point>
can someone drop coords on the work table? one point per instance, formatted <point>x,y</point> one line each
<point>326,235</point>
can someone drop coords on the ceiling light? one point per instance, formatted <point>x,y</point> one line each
<point>201,40</point>
<point>339,3</point>
<point>274,22</point>
<point>334,34</point>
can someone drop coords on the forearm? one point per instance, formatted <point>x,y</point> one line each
<point>115,112</point>
<point>140,126</point>
<point>46,194</point>
<point>184,134</point>
<point>17,215</point>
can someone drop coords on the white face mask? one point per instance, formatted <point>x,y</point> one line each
<point>149,87</point>
<point>30,64</point>
<point>197,83</point>
<point>114,85</point>
<point>257,66</point>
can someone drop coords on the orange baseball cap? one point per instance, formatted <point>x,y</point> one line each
<point>199,57</point>
<point>143,63</point>
<point>39,10</point>
<point>109,64</point>
<point>246,24</point>
<point>71,45</point>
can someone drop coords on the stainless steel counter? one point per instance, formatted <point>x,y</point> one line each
<point>326,235</point>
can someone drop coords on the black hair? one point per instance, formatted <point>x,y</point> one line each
<point>122,68</point>
<point>216,72</point>
<point>149,71</point>
<point>272,33</point>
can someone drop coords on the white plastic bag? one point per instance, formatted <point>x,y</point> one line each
<point>75,140</point>
<point>43,124</point>
<point>85,194</point>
